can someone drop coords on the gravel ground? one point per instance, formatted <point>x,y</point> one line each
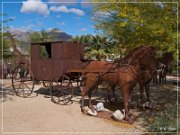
<point>38,115</point>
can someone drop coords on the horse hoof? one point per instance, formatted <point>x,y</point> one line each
<point>141,105</point>
<point>82,109</point>
<point>149,105</point>
<point>113,100</point>
<point>129,119</point>
<point>92,108</point>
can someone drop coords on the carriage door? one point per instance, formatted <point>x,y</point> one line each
<point>45,54</point>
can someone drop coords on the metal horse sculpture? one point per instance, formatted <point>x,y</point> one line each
<point>125,75</point>
<point>149,73</point>
<point>165,66</point>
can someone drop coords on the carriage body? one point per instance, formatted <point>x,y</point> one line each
<point>49,61</point>
<point>58,58</point>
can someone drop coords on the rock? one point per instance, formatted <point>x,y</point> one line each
<point>150,120</point>
<point>158,108</point>
<point>100,106</point>
<point>118,115</point>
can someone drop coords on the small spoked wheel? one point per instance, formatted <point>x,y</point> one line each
<point>22,81</point>
<point>61,90</point>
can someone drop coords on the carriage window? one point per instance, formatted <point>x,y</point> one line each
<point>45,51</point>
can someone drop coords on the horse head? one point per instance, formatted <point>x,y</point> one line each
<point>143,55</point>
<point>167,59</point>
<point>148,58</point>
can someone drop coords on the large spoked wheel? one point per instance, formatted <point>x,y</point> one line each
<point>22,81</point>
<point>61,90</point>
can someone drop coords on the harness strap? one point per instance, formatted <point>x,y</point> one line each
<point>130,69</point>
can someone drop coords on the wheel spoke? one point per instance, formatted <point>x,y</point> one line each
<point>22,81</point>
<point>27,86</point>
<point>63,88</point>
<point>19,87</point>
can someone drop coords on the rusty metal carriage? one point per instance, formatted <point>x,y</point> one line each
<point>50,62</point>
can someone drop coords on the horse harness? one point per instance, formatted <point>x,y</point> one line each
<point>116,70</point>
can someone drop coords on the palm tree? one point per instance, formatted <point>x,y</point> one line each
<point>103,45</point>
<point>96,47</point>
<point>82,39</point>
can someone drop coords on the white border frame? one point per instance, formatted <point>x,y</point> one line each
<point>2,3</point>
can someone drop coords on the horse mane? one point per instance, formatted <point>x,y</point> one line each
<point>166,57</point>
<point>138,53</point>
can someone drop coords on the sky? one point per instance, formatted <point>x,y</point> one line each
<point>72,18</point>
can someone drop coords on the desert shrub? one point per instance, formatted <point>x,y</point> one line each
<point>166,121</point>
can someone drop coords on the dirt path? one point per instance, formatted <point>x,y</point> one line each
<point>38,115</point>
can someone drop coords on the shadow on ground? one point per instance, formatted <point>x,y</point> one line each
<point>6,93</point>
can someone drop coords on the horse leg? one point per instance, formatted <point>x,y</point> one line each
<point>109,97</point>
<point>147,92</point>
<point>160,79</point>
<point>111,93</point>
<point>130,96</point>
<point>165,79</point>
<point>126,105</point>
<point>141,92</point>
<point>91,82</point>
<point>89,96</point>
<point>82,105</point>
<point>155,80</point>
<point>84,90</point>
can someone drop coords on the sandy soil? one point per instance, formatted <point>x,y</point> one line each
<point>38,115</point>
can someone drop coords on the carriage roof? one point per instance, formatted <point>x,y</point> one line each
<point>47,42</point>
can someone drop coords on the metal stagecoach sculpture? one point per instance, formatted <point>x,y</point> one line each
<point>62,63</point>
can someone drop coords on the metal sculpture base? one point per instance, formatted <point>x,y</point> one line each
<point>108,115</point>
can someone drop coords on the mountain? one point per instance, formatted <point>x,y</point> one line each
<point>20,35</point>
<point>24,35</point>
<point>59,35</point>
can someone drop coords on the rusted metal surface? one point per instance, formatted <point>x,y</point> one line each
<point>91,70</point>
<point>62,56</point>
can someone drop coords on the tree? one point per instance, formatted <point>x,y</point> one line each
<point>5,45</point>
<point>44,35</point>
<point>96,47</point>
<point>134,24</point>
<point>38,36</point>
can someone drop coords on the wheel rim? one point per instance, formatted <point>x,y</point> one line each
<point>61,90</point>
<point>22,81</point>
